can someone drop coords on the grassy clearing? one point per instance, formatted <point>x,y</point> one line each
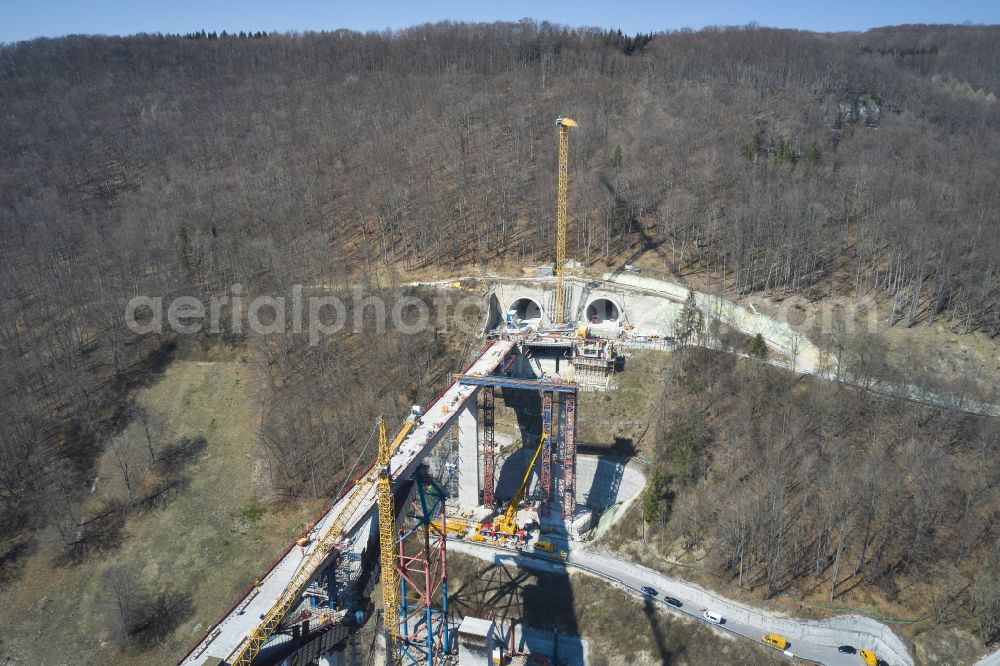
<point>618,627</point>
<point>943,646</point>
<point>617,420</point>
<point>609,421</point>
<point>191,552</point>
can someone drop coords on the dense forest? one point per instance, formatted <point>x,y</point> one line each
<point>160,165</point>
<point>839,494</point>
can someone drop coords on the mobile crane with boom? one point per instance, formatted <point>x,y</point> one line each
<point>506,523</point>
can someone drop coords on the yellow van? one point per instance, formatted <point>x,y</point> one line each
<point>776,640</point>
<point>869,657</point>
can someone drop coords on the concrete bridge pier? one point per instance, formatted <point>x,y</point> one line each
<point>468,454</point>
<point>476,640</point>
<point>332,658</point>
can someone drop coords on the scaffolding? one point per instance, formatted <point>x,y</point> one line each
<point>594,361</point>
<point>559,480</point>
<point>489,448</point>
<point>557,469</point>
<point>545,480</point>
<point>569,456</point>
<point>424,631</point>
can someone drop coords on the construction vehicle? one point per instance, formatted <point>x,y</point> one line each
<point>546,546</point>
<point>492,531</point>
<point>506,523</point>
<point>562,215</point>
<point>455,528</point>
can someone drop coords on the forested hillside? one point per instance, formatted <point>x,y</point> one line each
<point>158,165</point>
<point>779,486</point>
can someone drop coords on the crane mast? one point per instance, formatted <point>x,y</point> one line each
<point>292,593</point>
<point>387,534</point>
<point>386,527</point>
<point>562,215</point>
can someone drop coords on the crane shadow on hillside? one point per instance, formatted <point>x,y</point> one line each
<point>661,644</point>
<point>13,554</point>
<point>623,210</point>
<point>539,603</point>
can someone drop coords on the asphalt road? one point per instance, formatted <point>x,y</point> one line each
<point>992,659</point>
<point>634,578</point>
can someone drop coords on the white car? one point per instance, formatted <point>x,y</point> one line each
<point>712,616</point>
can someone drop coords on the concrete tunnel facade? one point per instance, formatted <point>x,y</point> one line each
<point>602,309</point>
<point>526,308</point>
<point>530,303</point>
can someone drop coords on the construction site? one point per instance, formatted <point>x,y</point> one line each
<point>491,468</point>
<point>492,461</point>
<point>465,335</point>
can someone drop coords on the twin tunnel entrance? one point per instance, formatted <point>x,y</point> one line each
<point>600,310</point>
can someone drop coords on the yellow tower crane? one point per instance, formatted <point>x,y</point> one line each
<point>386,534</point>
<point>562,214</point>
<point>292,593</point>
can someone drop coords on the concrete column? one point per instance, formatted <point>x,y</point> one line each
<point>468,454</point>
<point>332,658</point>
<point>476,641</point>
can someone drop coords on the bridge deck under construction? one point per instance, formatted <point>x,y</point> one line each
<point>229,636</point>
<point>518,383</point>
